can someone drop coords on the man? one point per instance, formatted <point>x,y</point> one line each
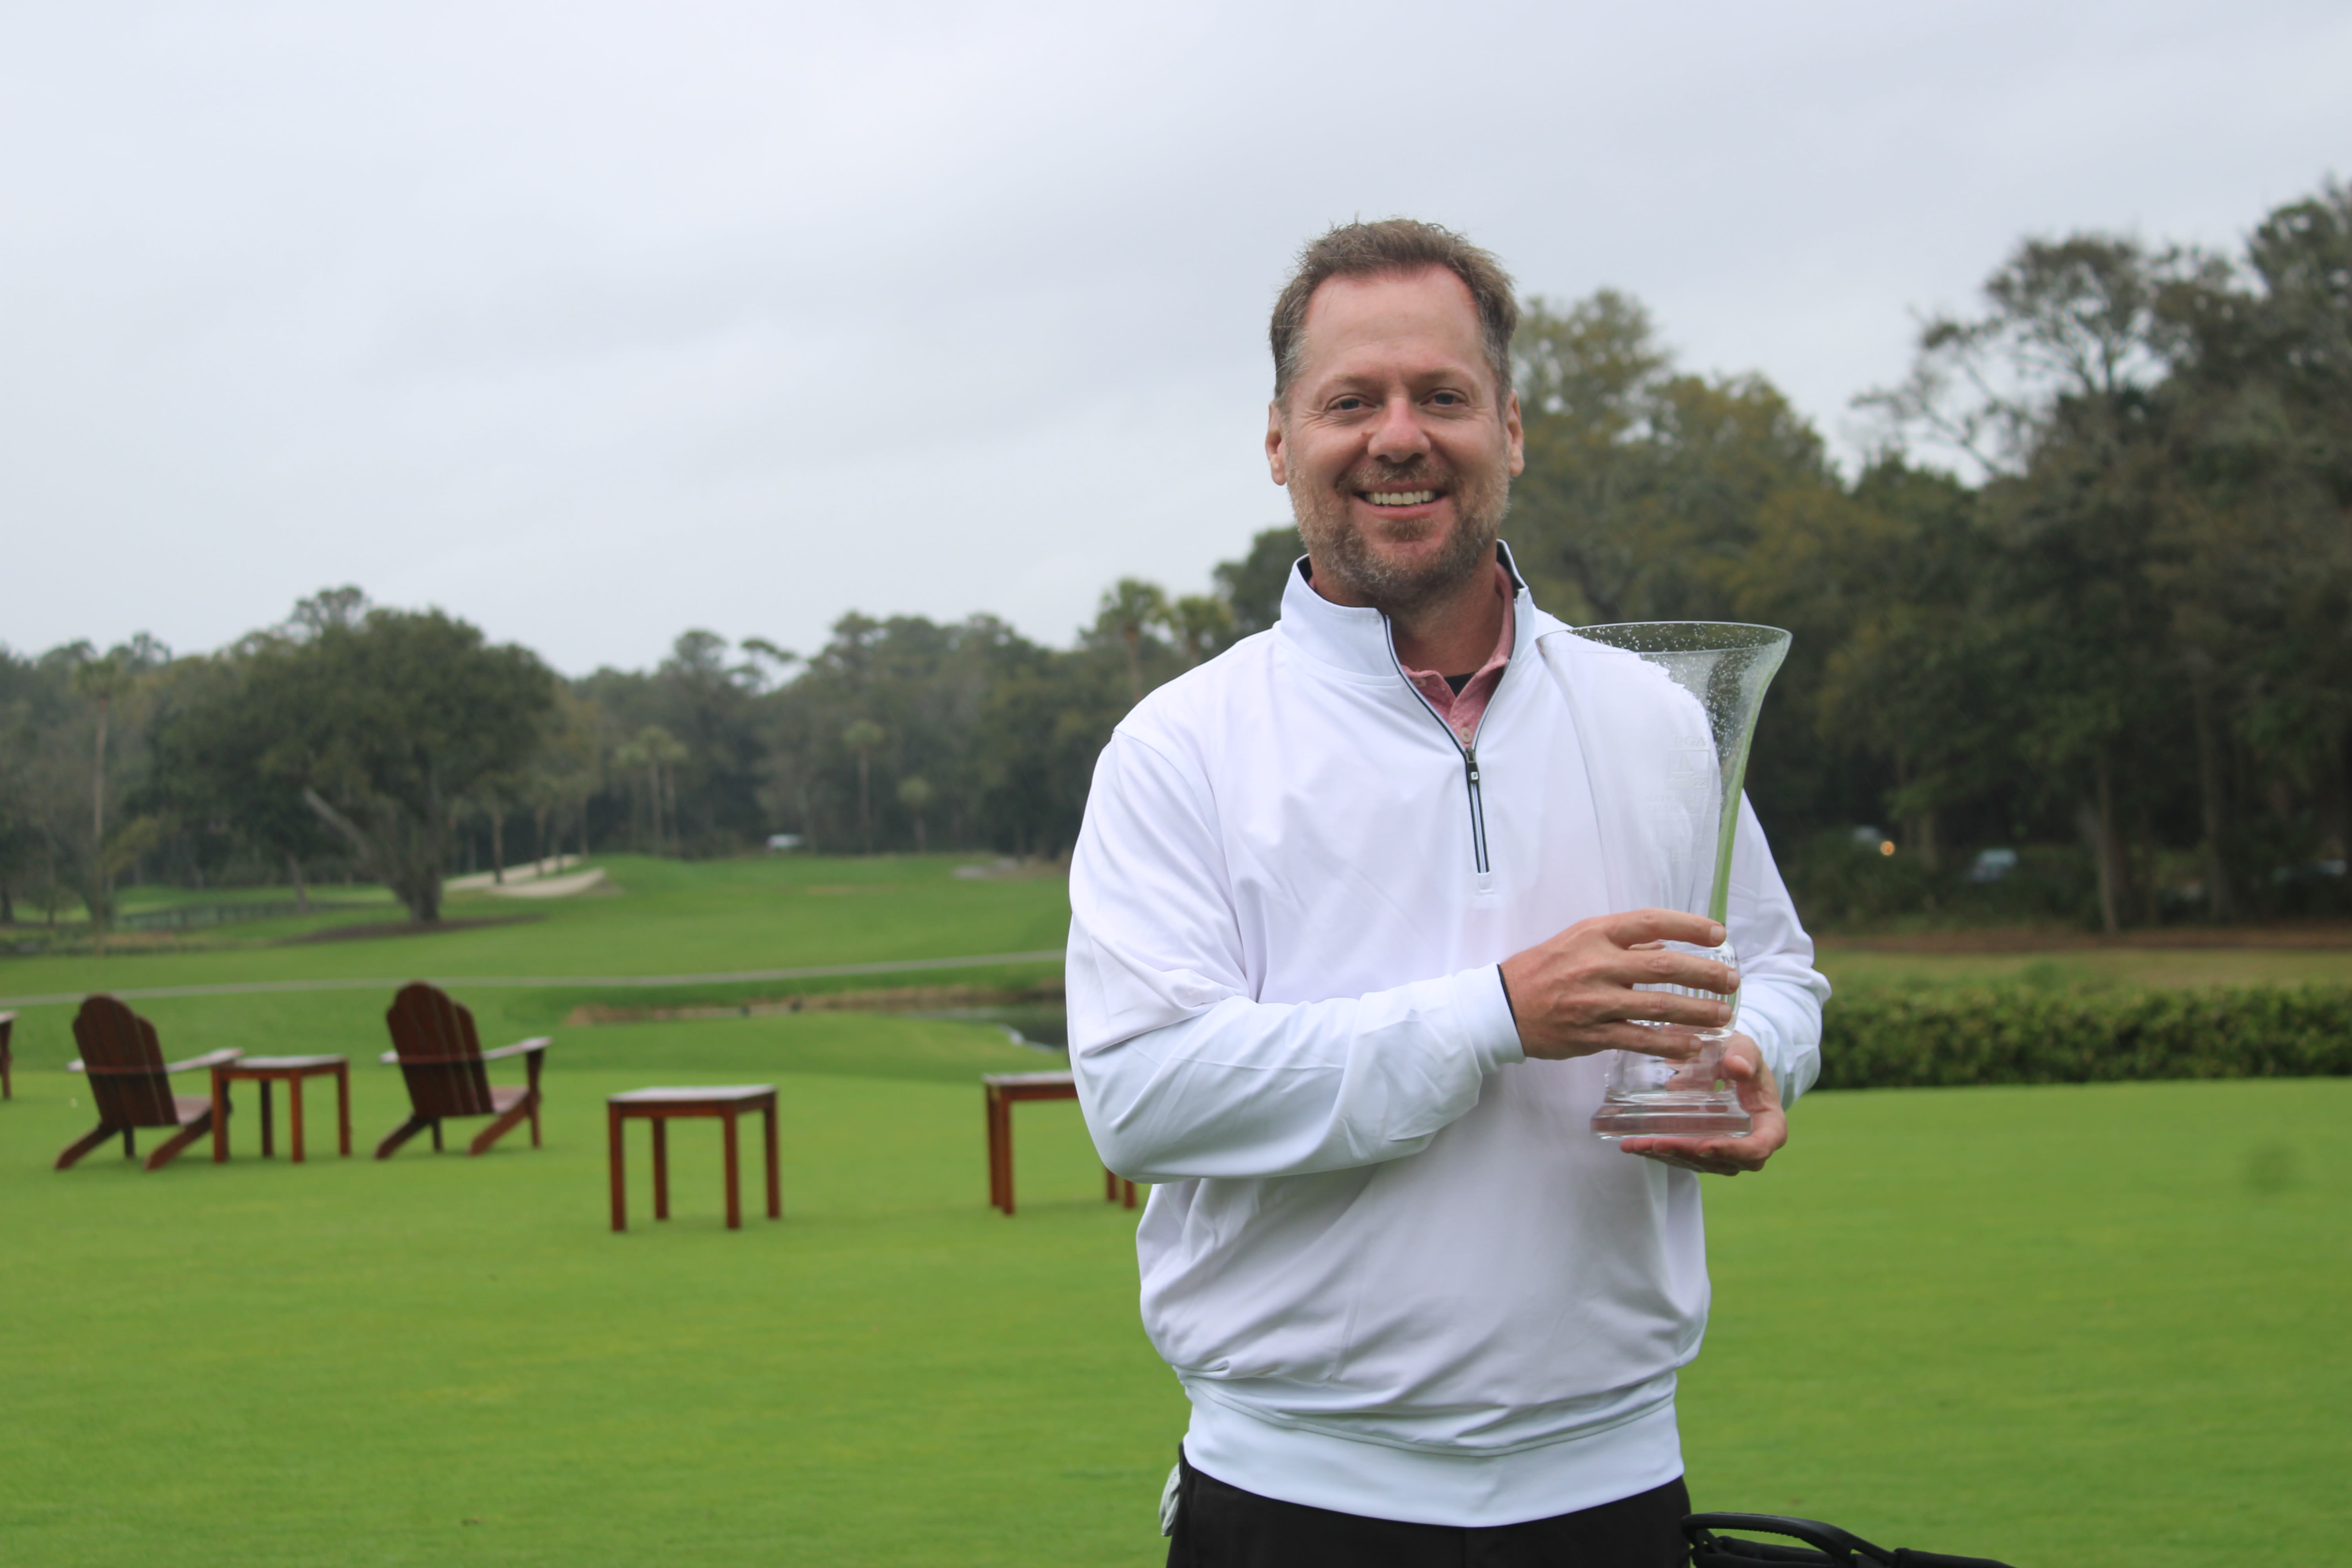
<point>1342,961</point>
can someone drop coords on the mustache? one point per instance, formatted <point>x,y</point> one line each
<point>1418,474</point>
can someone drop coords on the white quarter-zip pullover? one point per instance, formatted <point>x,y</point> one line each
<point>1395,1270</point>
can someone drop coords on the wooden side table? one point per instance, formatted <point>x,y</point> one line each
<point>290,1071</point>
<point>1004,1090</point>
<point>660,1106</point>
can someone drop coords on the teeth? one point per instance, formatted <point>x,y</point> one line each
<point>1401,497</point>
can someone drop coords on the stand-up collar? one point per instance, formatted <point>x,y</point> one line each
<point>1357,640</point>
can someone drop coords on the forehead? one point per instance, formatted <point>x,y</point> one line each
<point>1410,323</point>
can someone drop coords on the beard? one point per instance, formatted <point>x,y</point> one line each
<point>1337,543</point>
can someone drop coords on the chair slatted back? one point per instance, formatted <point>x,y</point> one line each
<point>440,1053</point>
<point>125,1065</point>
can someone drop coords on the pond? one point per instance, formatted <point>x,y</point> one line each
<point>1041,1026</point>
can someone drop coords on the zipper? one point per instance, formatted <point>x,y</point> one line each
<point>1468,750</point>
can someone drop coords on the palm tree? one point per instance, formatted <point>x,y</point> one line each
<point>101,682</point>
<point>914,793</point>
<point>1198,622</point>
<point>862,737</point>
<point>1129,610</point>
<point>654,750</point>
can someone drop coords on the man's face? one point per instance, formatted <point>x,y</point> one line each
<point>1396,445</point>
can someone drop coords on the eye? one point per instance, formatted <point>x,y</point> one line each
<point>1448,399</point>
<point>1348,404</point>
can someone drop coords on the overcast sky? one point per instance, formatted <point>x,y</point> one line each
<point>591,322</point>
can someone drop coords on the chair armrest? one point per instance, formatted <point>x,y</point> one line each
<point>394,1058</point>
<point>539,1043</point>
<point>209,1059</point>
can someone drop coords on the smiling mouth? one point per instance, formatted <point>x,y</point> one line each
<point>1400,497</point>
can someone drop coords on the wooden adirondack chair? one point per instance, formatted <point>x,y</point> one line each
<point>436,1050</point>
<point>129,1080</point>
<point>8,1062</point>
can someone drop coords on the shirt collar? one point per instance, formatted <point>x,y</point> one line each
<point>1356,639</point>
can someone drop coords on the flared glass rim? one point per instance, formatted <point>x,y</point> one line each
<point>1696,637</point>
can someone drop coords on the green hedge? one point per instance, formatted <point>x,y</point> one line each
<point>1879,1039</point>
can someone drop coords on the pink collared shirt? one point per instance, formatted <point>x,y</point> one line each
<point>1462,710</point>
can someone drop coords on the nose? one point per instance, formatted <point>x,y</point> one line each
<point>1396,436</point>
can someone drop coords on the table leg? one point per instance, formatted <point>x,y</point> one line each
<point>661,1166</point>
<point>775,1173</point>
<point>1110,1186</point>
<point>268,1147</point>
<point>997,1131</point>
<point>343,1103</point>
<point>620,1193</point>
<point>1004,1121</point>
<point>220,1118</point>
<point>734,1176</point>
<point>294,1114</point>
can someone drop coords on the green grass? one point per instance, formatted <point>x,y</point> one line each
<point>671,917</point>
<point>2082,1325</point>
<point>789,912</point>
<point>347,1362</point>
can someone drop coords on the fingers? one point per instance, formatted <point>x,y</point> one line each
<point>1744,1065</point>
<point>1697,1163</point>
<point>1638,926</point>
<point>1686,1162</point>
<point>1661,966</point>
<point>1579,991</point>
<point>1716,1156</point>
<point>1667,1007</point>
<point>1673,1045</point>
<point>1767,1133</point>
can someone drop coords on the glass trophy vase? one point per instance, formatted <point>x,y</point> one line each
<point>1694,689</point>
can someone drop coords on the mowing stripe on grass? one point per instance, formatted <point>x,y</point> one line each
<point>817,972</point>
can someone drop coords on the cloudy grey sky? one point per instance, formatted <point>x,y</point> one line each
<point>594,322</point>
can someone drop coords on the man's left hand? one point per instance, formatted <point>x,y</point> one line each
<point>1743,1064</point>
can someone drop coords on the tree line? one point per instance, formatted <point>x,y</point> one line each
<point>2089,597</point>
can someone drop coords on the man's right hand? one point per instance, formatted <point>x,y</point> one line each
<point>1574,996</point>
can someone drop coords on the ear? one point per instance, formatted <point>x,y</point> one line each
<point>1519,436</point>
<point>1273,464</point>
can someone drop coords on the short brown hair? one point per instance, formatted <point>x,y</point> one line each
<point>1393,246</point>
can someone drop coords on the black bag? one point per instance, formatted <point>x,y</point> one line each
<point>1826,1546</point>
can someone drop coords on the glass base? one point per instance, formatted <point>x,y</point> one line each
<point>1672,1116</point>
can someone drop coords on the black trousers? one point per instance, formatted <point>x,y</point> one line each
<point>1220,1526</point>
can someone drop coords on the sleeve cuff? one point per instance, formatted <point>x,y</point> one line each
<point>1485,1011</point>
<point>1794,1065</point>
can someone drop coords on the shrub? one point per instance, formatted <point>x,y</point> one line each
<point>1881,1039</point>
